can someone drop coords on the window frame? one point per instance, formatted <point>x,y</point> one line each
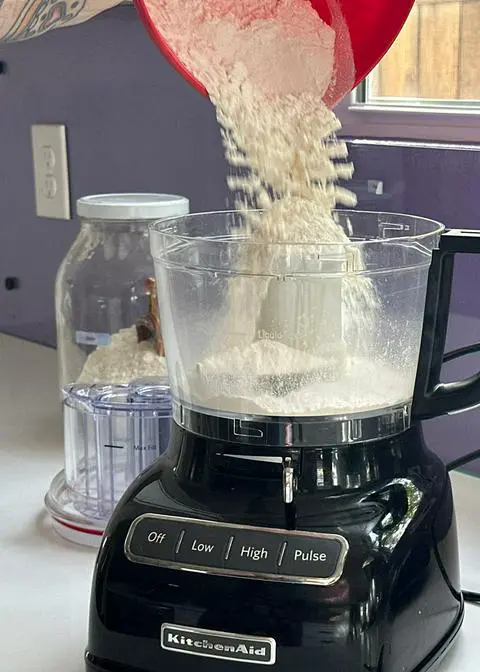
<point>408,119</point>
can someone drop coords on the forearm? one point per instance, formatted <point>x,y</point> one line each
<point>24,19</point>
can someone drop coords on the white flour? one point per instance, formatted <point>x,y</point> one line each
<point>283,45</point>
<point>281,346</point>
<point>122,361</point>
<point>366,386</point>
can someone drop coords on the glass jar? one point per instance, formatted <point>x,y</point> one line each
<point>103,291</point>
<point>113,377</point>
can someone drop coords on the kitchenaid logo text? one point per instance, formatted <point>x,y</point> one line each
<point>212,644</point>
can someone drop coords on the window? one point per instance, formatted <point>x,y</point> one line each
<point>428,84</point>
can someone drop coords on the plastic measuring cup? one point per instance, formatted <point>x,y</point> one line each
<point>372,25</point>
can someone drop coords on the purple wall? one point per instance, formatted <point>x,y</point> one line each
<point>133,124</point>
<point>440,183</point>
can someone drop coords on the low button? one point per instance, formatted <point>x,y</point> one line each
<point>155,539</point>
<point>316,558</point>
<point>203,546</point>
<point>256,552</point>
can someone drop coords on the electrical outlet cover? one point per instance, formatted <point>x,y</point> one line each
<point>50,166</point>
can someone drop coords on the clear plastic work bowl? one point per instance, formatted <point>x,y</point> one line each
<point>292,329</point>
<point>112,433</point>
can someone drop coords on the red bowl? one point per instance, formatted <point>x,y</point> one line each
<point>373,26</point>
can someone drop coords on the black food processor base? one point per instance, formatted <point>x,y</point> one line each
<point>341,559</point>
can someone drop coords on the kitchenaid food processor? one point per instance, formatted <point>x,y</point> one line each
<point>297,517</point>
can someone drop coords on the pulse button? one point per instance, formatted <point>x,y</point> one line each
<point>316,558</point>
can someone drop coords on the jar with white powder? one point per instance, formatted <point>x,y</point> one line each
<point>116,396</point>
<point>105,293</point>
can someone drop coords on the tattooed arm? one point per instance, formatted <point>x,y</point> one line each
<point>23,19</point>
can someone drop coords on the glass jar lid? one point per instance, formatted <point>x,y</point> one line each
<point>132,206</point>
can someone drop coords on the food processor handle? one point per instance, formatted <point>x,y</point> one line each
<point>431,397</point>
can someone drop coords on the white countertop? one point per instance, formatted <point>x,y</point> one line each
<point>45,581</point>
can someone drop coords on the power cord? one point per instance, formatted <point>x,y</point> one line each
<point>461,352</point>
<point>468,595</point>
<point>465,459</point>
<point>448,357</point>
<point>471,597</point>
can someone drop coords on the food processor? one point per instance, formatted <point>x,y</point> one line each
<point>297,519</point>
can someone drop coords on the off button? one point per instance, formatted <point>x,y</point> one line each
<point>307,556</point>
<point>155,539</point>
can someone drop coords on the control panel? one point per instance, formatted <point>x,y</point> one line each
<point>236,550</point>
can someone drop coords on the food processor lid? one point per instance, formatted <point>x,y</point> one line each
<point>144,396</point>
<point>132,206</point>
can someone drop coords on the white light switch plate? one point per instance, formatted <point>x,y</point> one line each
<point>50,167</point>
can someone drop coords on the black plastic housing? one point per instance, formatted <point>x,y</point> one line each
<point>396,607</point>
